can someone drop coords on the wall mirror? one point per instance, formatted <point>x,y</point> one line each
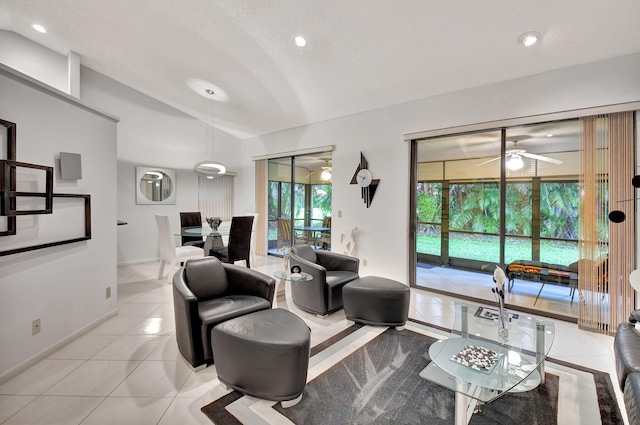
<point>155,185</point>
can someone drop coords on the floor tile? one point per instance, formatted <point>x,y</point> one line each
<point>128,410</point>
<point>40,377</point>
<point>50,410</point>
<point>115,326</point>
<point>129,347</point>
<point>10,404</point>
<point>185,411</point>
<point>94,378</point>
<point>154,378</point>
<point>84,347</point>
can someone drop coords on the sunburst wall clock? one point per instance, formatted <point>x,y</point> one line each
<point>363,178</point>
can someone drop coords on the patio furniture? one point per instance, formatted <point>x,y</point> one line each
<point>542,272</point>
<point>207,292</point>
<point>377,301</point>
<point>263,354</point>
<point>330,271</point>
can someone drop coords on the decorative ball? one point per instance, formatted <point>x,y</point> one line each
<point>617,216</point>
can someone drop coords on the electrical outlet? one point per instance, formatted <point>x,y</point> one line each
<point>108,292</point>
<point>35,327</point>
<point>364,263</point>
<point>339,213</point>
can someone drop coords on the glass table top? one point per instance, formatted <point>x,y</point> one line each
<point>202,231</point>
<point>473,362</point>
<point>294,277</point>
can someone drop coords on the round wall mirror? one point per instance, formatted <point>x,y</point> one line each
<point>155,185</point>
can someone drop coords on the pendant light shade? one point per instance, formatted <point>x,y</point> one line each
<point>209,168</point>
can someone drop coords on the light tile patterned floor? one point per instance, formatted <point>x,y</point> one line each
<point>128,370</point>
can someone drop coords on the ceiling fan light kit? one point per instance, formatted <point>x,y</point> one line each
<point>515,163</point>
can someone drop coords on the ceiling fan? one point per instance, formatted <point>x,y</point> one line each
<point>515,154</point>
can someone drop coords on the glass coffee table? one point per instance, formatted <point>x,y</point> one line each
<point>473,363</point>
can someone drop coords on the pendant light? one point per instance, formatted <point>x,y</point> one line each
<point>209,168</point>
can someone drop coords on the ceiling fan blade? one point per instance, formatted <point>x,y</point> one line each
<point>542,158</point>
<point>486,162</point>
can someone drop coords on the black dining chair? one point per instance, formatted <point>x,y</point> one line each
<point>191,219</point>
<point>239,246</point>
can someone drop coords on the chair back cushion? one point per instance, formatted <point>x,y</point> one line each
<point>240,238</point>
<point>166,240</point>
<point>191,219</point>
<point>206,277</point>
<point>305,252</point>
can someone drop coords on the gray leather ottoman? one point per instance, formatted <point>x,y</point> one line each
<point>263,354</point>
<point>378,301</point>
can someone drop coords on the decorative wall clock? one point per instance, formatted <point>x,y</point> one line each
<point>363,178</point>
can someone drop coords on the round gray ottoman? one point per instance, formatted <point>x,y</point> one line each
<point>263,354</point>
<point>373,300</point>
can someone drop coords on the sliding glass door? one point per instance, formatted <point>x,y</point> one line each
<point>299,201</point>
<point>494,198</point>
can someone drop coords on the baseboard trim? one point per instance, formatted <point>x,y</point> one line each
<point>21,367</point>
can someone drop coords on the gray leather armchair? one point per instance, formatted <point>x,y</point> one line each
<point>207,292</point>
<point>330,271</point>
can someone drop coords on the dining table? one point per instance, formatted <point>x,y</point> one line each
<point>212,237</point>
<point>312,232</point>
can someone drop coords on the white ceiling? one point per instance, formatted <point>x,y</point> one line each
<point>361,54</point>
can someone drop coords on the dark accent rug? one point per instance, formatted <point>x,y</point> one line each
<point>379,384</point>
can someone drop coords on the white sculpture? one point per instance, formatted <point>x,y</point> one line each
<point>350,245</point>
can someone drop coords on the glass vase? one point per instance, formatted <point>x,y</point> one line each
<point>503,324</point>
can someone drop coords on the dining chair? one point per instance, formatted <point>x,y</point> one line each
<point>191,219</point>
<point>239,241</point>
<point>252,251</point>
<point>170,254</point>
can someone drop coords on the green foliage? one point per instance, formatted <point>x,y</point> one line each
<point>559,208</point>
<point>430,202</point>
<point>474,207</point>
<point>321,199</point>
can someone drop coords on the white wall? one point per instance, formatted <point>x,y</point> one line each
<point>383,228</point>
<point>34,60</point>
<point>64,286</point>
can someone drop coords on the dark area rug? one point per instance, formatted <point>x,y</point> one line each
<point>380,384</point>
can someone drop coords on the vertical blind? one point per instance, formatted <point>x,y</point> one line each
<point>215,197</point>
<point>261,206</point>
<point>607,249</point>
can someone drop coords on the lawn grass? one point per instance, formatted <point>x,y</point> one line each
<point>487,248</point>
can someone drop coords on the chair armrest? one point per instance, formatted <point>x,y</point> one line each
<point>334,261</point>
<point>243,281</point>
<point>185,306</point>
<point>317,272</point>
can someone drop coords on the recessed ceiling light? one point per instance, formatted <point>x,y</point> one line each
<point>39,28</point>
<point>550,135</point>
<point>528,39</point>
<point>300,41</point>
